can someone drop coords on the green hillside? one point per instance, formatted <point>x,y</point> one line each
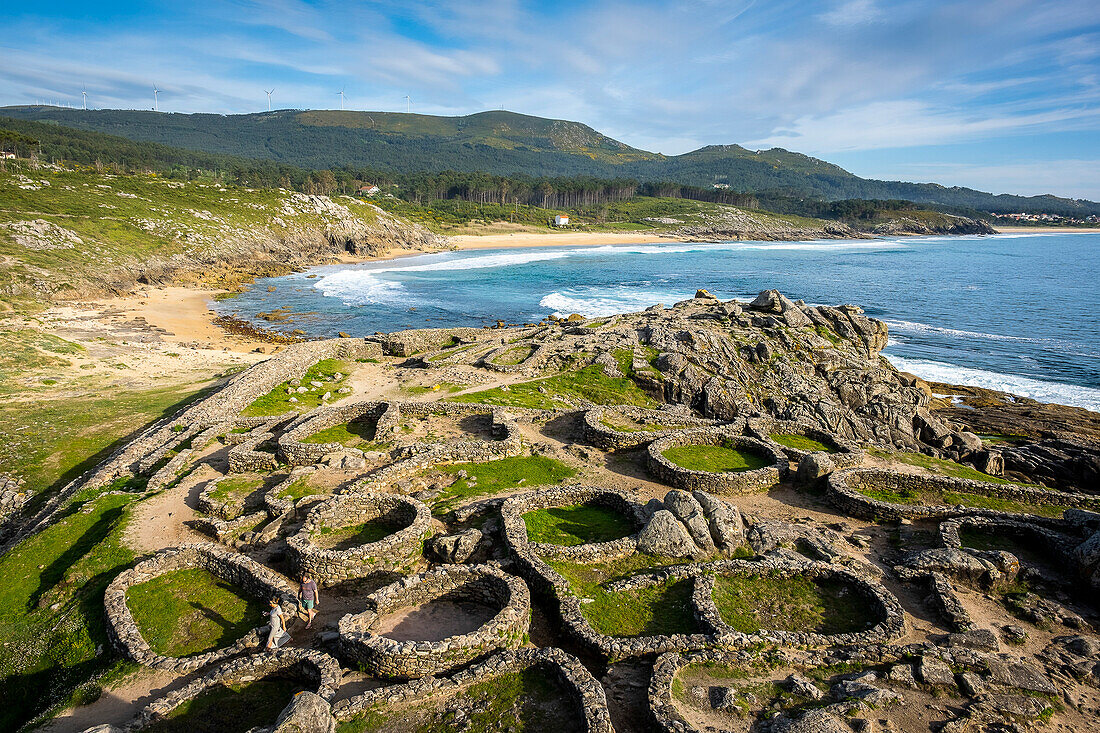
<point>506,143</point>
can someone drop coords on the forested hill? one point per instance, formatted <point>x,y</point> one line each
<point>506,143</point>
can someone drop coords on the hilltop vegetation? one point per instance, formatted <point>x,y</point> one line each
<point>506,143</point>
<point>66,232</point>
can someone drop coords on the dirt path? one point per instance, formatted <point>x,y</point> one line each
<point>119,704</point>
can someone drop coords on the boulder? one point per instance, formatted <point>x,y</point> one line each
<point>935,671</point>
<point>796,684</point>
<point>455,548</point>
<point>982,640</point>
<point>306,713</point>
<point>727,527</point>
<point>704,294</point>
<point>813,721</point>
<point>724,698</point>
<point>685,508</point>
<point>665,535</point>
<point>814,466</point>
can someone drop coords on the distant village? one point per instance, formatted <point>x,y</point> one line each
<point>1046,219</point>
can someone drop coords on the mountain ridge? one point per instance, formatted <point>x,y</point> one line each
<point>508,143</point>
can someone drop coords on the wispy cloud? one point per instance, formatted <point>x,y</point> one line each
<point>822,76</point>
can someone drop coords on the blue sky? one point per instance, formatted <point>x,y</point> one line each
<point>1001,95</point>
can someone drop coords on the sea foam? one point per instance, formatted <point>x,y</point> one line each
<point>1042,391</point>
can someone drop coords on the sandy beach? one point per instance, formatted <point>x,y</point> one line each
<point>1024,230</point>
<point>553,239</point>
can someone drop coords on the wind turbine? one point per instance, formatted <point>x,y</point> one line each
<point>156,99</point>
<point>269,93</point>
<point>341,93</point>
<point>408,104</point>
<point>84,93</point>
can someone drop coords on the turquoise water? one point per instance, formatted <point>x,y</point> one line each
<point>1011,312</point>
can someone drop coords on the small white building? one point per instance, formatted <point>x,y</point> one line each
<point>369,189</point>
<point>561,220</point>
<point>7,155</point>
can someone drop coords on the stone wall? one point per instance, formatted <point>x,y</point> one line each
<point>843,489</point>
<point>608,438</point>
<point>318,670</point>
<point>413,341</point>
<point>296,453</point>
<point>587,694</point>
<point>244,457</point>
<point>253,578</point>
<point>744,482</point>
<point>847,455</point>
<point>515,531</point>
<point>397,551</point>
<point>546,582</point>
<point>482,584</point>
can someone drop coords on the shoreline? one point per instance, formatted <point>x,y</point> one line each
<point>1047,230</point>
<point>188,316</point>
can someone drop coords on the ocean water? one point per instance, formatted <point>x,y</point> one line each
<point>1016,312</point>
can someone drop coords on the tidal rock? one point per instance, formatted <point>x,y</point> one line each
<point>665,535</point>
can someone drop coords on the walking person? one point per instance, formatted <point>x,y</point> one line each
<point>275,637</point>
<point>309,597</point>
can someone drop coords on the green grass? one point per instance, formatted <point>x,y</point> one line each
<point>236,486</point>
<point>715,458</point>
<point>577,525</point>
<point>49,655</point>
<point>802,443</point>
<point>991,539</point>
<point>952,498</point>
<point>939,466</point>
<point>350,434</point>
<point>549,393</point>
<point>27,351</point>
<point>1003,438</point>
<point>301,488</point>
<point>493,477</point>
<point>354,535</point>
<point>277,401</point>
<point>230,708</point>
<point>191,611</point>
<point>749,603</point>
<point>660,609</point>
<point>49,442</point>
<point>528,700</point>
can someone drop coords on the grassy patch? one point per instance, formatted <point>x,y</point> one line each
<point>51,442</point>
<point>715,458</point>
<point>350,434</point>
<point>191,611</point>
<point>660,609</point>
<point>1003,438</point>
<point>938,466</point>
<point>230,708</point>
<point>528,700</point>
<point>952,498</point>
<point>51,612</point>
<point>493,477</point>
<point>277,401</point>
<point>236,486</point>
<point>301,488</point>
<point>354,535</point>
<point>576,525</point>
<point>802,443</point>
<point>750,603</point>
<point>590,384</point>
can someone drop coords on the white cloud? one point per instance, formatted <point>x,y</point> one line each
<point>853,12</point>
<point>906,124</point>
<point>1074,178</point>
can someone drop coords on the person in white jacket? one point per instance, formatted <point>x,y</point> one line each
<point>277,623</point>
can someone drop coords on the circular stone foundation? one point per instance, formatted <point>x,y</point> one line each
<point>775,464</point>
<point>254,578</point>
<point>318,671</point>
<point>734,609</point>
<point>421,625</point>
<point>366,534</point>
<point>786,434</point>
<point>624,427</point>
